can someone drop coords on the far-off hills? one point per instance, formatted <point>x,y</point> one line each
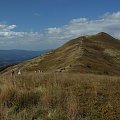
<point>97,54</point>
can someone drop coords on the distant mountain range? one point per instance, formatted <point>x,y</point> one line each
<point>97,54</point>
<point>8,57</point>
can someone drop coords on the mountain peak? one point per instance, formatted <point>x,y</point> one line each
<point>103,34</point>
<point>104,37</point>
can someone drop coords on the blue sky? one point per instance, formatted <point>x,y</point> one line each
<point>45,24</point>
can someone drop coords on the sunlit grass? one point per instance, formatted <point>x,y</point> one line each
<point>59,96</point>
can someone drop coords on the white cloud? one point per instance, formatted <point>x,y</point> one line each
<point>55,36</point>
<point>109,23</point>
<point>10,39</point>
<point>54,30</point>
<point>11,27</point>
<point>7,32</point>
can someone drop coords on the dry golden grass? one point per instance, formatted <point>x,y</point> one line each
<point>59,96</point>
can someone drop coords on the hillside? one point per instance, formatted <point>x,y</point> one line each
<point>68,93</point>
<point>98,54</point>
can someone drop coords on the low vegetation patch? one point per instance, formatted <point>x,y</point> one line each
<point>59,96</point>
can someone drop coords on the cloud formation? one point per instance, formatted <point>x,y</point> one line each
<point>109,23</point>
<point>55,36</point>
<point>6,32</point>
<point>10,39</point>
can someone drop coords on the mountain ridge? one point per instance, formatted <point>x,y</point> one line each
<point>97,54</point>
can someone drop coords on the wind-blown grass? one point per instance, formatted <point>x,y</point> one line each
<point>59,96</point>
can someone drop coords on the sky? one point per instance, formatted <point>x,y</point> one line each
<point>47,24</point>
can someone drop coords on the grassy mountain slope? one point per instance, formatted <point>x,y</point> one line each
<point>98,54</point>
<point>66,95</point>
